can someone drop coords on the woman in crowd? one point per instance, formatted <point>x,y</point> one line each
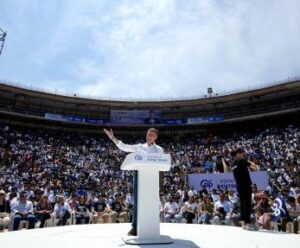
<point>73,201</point>
<point>205,210</point>
<point>263,211</point>
<point>44,210</point>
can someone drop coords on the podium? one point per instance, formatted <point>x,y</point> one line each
<point>148,166</point>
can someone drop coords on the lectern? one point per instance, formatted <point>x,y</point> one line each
<point>148,166</point>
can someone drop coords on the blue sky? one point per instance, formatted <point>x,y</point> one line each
<point>149,49</point>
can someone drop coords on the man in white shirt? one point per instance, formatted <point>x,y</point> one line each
<point>149,147</point>
<point>61,211</point>
<point>171,211</point>
<point>22,210</point>
<point>222,210</point>
<point>215,196</point>
<point>293,209</point>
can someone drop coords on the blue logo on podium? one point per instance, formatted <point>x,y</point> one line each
<point>138,157</point>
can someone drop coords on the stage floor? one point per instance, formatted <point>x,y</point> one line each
<point>184,235</point>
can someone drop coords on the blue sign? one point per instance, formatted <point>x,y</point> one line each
<point>138,157</point>
<point>202,119</point>
<point>73,118</point>
<point>225,180</point>
<point>175,121</point>
<point>94,121</point>
<point>135,116</point>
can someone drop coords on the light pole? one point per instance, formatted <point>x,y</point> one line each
<point>2,39</point>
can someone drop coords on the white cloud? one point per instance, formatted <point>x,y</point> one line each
<point>177,49</point>
<point>168,48</point>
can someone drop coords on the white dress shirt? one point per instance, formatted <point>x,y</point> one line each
<point>21,207</point>
<point>59,210</point>
<point>171,207</point>
<point>225,204</point>
<point>142,148</point>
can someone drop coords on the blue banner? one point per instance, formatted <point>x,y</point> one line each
<point>95,121</point>
<point>73,118</point>
<point>202,119</point>
<point>135,116</point>
<point>225,180</point>
<point>55,117</point>
<point>175,121</point>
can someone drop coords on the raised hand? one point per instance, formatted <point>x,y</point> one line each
<point>109,133</point>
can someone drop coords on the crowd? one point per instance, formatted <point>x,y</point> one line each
<point>69,178</point>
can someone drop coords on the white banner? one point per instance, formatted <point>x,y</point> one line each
<point>225,180</point>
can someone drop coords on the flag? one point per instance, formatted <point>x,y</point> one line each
<point>279,209</point>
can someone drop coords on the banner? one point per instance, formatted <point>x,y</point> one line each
<point>73,118</point>
<point>195,120</point>
<point>225,180</point>
<point>135,116</point>
<point>175,121</point>
<point>94,121</point>
<point>202,119</point>
<point>55,117</point>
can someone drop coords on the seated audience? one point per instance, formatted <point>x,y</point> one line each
<point>22,209</point>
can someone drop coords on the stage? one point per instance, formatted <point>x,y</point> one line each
<point>111,235</point>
